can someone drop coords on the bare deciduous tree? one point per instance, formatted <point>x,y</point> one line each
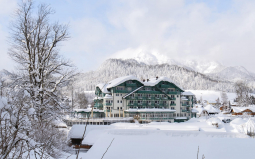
<point>34,47</point>
<point>224,98</point>
<point>242,92</point>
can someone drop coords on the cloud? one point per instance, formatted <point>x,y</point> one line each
<point>181,30</point>
<point>168,28</point>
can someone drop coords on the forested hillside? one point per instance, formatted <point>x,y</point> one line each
<point>187,78</point>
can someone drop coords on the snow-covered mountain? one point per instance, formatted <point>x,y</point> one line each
<point>186,78</point>
<point>212,68</point>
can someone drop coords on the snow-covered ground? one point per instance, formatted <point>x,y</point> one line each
<point>168,140</point>
<point>211,95</point>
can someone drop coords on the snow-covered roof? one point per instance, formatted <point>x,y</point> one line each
<point>199,110</point>
<point>210,109</point>
<point>154,81</point>
<point>184,98</point>
<point>241,109</point>
<point>194,110</point>
<point>181,118</point>
<point>98,98</point>
<point>107,96</point>
<point>87,110</point>
<point>188,93</point>
<point>149,110</point>
<point>120,80</point>
<point>103,87</point>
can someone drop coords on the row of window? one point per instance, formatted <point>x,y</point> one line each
<point>119,101</point>
<point>148,102</point>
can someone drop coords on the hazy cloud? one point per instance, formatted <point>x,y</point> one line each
<point>219,30</point>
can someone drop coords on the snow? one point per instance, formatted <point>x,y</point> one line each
<point>107,96</point>
<point>120,80</point>
<point>88,110</point>
<point>163,140</point>
<point>155,81</point>
<point>31,111</point>
<point>210,109</point>
<point>181,118</point>
<point>188,93</point>
<point>184,98</point>
<point>3,102</point>
<point>210,95</point>
<point>103,87</point>
<point>199,109</point>
<point>241,109</point>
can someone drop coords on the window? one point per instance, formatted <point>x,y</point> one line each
<point>164,102</point>
<point>129,89</point>
<point>163,89</point>
<point>120,88</point>
<point>118,101</point>
<point>120,94</point>
<point>129,82</point>
<point>121,101</point>
<point>157,102</point>
<point>131,102</point>
<point>118,108</point>
<point>172,108</point>
<point>171,90</point>
<point>139,101</point>
<point>139,95</point>
<point>117,94</point>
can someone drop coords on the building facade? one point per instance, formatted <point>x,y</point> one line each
<point>156,99</point>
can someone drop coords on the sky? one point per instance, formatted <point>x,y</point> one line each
<point>221,30</point>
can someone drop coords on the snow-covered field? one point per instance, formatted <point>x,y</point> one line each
<point>168,140</point>
<point>211,95</point>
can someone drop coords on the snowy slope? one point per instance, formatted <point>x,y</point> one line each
<point>212,68</point>
<point>114,68</point>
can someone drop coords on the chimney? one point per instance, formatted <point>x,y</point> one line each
<point>147,80</point>
<point>157,78</point>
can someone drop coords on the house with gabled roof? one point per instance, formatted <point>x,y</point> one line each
<point>155,99</point>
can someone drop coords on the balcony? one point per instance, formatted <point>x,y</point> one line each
<point>141,98</point>
<point>164,86</point>
<point>168,92</point>
<point>131,85</point>
<point>184,104</point>
<point>150,98</point>
<point>108,104</point>
<point>164,98</point>
<point>132,104</point>
<point>173,98</point>
<point>149,92</point>
<point>172,104</point>
<point>98,105</point>
<point>131,98</point>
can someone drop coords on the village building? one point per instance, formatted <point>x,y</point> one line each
<point>156,99</point>
<point>243,110</point>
